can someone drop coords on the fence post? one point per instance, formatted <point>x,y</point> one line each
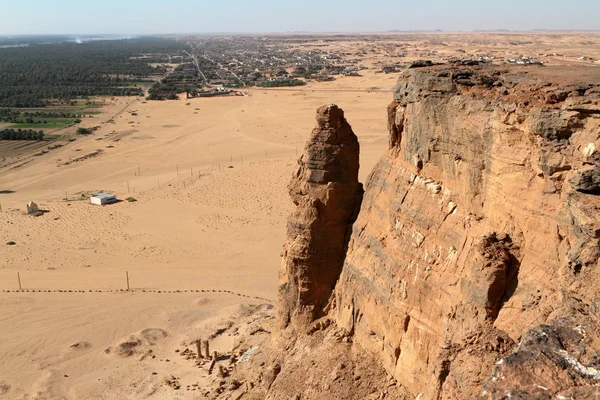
<point>199,348</point>
<point>127,275</point>
<point>19,278</point>
<point>206,349</point>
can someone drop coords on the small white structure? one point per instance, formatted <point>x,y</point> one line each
<point>103,198</point>
<point>32,208</point>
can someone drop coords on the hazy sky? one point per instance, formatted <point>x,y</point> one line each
<point>198,16</point>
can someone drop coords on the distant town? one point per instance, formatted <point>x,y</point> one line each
<point>226,63</point>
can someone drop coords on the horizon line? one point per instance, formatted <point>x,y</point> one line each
<point>499,30</point>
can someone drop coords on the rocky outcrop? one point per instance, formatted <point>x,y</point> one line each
<point>553,361</point>
<point>473,266</point>
<point>327,196</point>
<point>322,365</point>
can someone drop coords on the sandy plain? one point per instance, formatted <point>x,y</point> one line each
<point>209,177</point>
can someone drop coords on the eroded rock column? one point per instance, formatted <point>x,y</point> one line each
<point>327,195</point>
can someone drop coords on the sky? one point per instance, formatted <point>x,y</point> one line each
<point>255,16</point>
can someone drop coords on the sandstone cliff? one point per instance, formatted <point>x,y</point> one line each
<point>473,266</point>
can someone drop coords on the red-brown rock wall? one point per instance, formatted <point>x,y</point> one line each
<point>478,223</point>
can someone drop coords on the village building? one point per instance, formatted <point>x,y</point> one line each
<point>32,208</point>
<point>101,199</point>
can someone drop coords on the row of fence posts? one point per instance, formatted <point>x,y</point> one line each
<point>192,169</point>
<point>139,173</point>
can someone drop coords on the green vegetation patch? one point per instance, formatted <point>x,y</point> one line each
<point>281,83</point>
<point>84,131</point>
<point>42,74</point>
<point>19,134</point>
<point>51,123</point>
<point>56,137</point>
<point>51,118</point>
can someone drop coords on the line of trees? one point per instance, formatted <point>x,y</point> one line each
<point>21,134</point>
<point>16,116</point>
<point>282,82</point>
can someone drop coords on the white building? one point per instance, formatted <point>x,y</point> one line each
<point>101,199</point>
<point>32,208</point>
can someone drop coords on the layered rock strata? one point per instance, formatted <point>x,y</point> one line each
<point>478,225</point>
<point>472,269</point>
<point>327,196</point>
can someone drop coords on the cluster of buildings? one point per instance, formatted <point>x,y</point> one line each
<point>524,60</point>
<point>246,60</point>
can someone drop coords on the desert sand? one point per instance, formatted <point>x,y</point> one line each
<point>210,215</point>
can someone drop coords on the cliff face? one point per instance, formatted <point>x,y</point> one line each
<point>473,266</point>
<point>480,223</point>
